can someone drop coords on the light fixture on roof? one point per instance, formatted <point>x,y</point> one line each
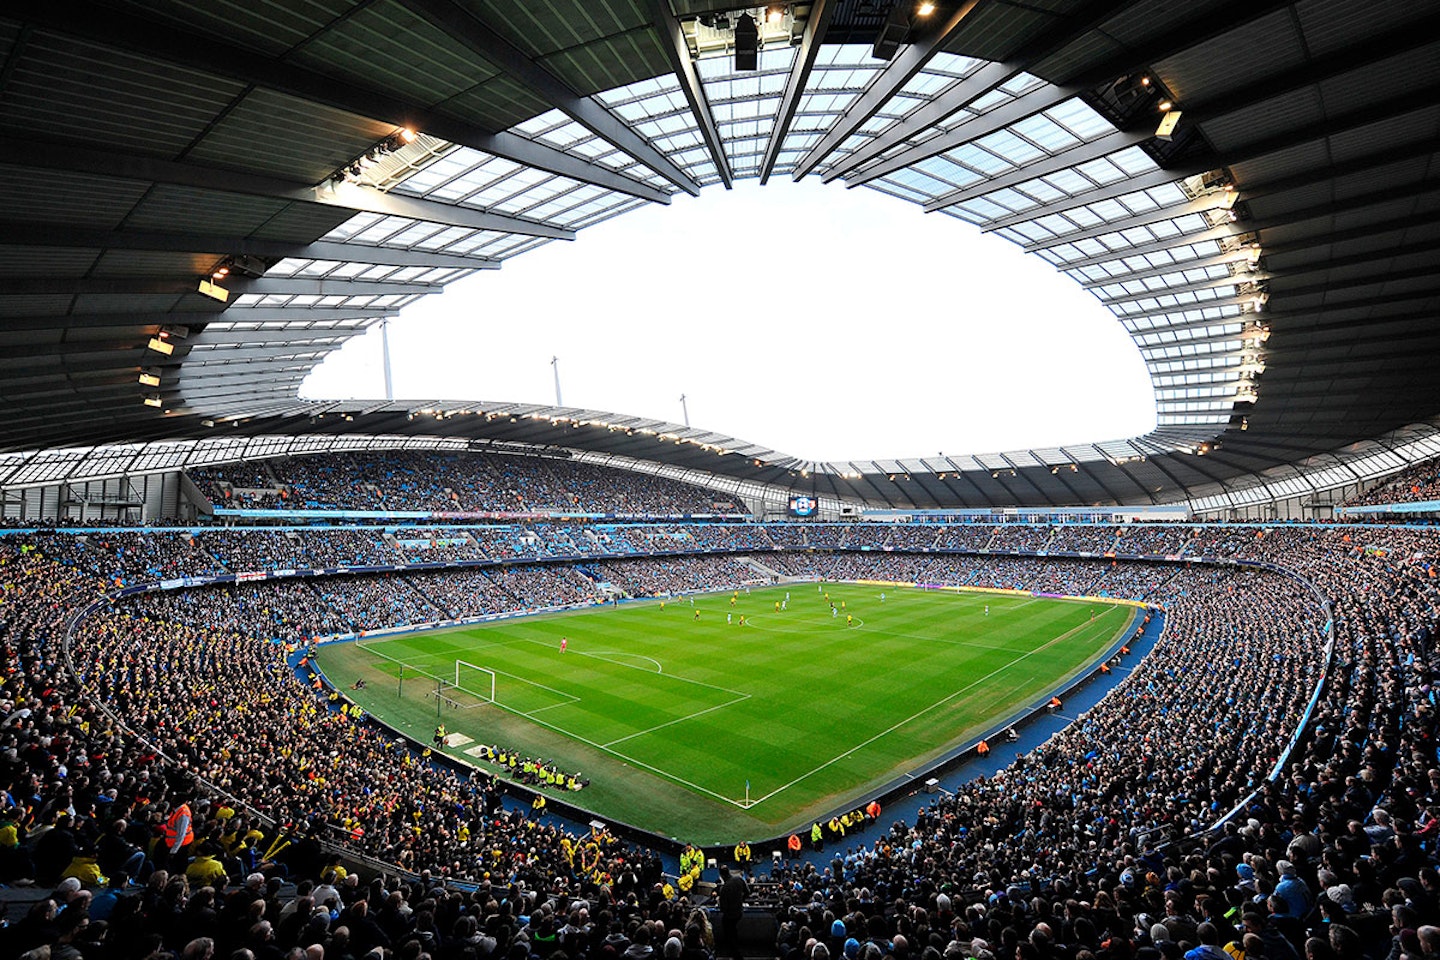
<point>353,171</point>
<point>1252,255</point>
<point>151,400</point>
<point>1254,334</point>
<point>1262,297</point>
<point>924,9</point>
<point>1130,89</point>
<point>150,377</point>
<point>213,290</point>
<point>1229,196</point>
<point>160,346</point>
<point>775,13</point>
<point>1168,122</point>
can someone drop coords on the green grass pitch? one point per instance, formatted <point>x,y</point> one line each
<point>670,716</point>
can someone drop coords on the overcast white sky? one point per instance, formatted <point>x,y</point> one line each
<point>826,323</point>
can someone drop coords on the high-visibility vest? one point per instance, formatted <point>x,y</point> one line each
<point>793,843</point>
<point>171,827</point>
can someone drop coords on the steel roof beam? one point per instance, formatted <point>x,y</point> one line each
<point>1268,250</point>
<point>1121,188</point>
<point>77,158</point>
<point>1191,33</point>
<point>463,25</point>
<point>1199,263</point>
<point>208,53</point>
<point>236,354</point>
<point>1358,259</point>
<point>959,96</point>
<point>908,62</point>
<point>1243,227</point>
<point>1346,59</point>
<point>815,27</point>
<point>1209,201</point>
<point>197,394</point>
<point>1064,160</point>
<point>678,52</point>
<point>1214,234</point>
<point>63,235</point>
<point>1387,108</point>
<point>279,336</point>
<point>1061,32</point>
<point>1326,239</point>
<point>1425,272</point>
<point>1233,280</point>
<point>147,286</point>
<point>1097,475</point>
<point>1309,176</point>
<point>157,318</point>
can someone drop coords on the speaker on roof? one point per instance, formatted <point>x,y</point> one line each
<point>892,34</point>
<point>747,43</point>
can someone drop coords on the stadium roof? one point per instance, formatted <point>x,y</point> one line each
<point>1274,256</point>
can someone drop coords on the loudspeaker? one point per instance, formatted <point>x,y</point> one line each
<point>747,43</point>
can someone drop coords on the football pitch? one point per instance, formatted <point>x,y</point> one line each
<point>690,724</point>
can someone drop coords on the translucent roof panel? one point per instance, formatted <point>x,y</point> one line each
<point>745,104</point>
<point>658,110</point>
<point>555,129</point>
<point>839,75</point>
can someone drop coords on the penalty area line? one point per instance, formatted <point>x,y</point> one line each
<point>626,758</point>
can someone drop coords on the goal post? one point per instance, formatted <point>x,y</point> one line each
<point>484,689</point>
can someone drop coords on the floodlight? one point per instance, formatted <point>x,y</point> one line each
<point>213,290</point>
<point>161,346</point>
<point>774,13</point>
<point>924,9</point>
<point>152,400</point>
<point>150,377</point>
<point>1168,123</point>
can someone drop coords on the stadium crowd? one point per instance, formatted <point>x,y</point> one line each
<point>442,481</point>
<point>184,753</point>
<point>1420,481</point>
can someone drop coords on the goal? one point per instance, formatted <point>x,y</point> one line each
<point>475,680</point>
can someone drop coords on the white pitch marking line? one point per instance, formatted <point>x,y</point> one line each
<point>607,654</point>
<point>669,723</point>
<point>920,713</point>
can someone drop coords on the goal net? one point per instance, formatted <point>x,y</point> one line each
<point>476,681</point>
